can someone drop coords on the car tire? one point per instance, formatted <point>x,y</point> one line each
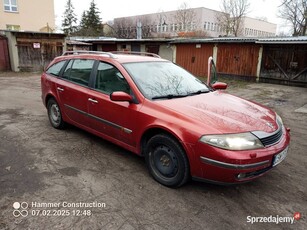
<point>167,161</point>
<point>54,114</point>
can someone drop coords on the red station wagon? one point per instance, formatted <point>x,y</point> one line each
<point>150,106</point>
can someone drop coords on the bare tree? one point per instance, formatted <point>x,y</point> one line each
<point>124,28</point>
<point>232,16</point>
<point>146,26</point>
<point>295,12</point>
<point>185,17</point>
<point>225,21</point>
<point>108,29</point>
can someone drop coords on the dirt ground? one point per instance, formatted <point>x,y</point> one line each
<point>41,166</point>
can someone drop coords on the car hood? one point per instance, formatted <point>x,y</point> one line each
<point>220,112</point>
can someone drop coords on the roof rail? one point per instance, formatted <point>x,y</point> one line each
<point>137,53</point>
<point>87,52</point>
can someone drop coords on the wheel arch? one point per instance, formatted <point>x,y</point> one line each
<point>171,137</point>
<point>48,97</point>
<point>152,131</point>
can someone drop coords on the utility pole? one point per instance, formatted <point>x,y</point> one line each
<point>139,30</point>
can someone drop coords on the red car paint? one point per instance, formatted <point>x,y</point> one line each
<point>187,119</point>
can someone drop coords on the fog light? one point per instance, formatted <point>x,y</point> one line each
<point>241,176</point>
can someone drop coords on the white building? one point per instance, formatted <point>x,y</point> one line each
<point>200,21</point>
<point>258,28</point>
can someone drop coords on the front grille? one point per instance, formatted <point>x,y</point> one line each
<point>273,139</point>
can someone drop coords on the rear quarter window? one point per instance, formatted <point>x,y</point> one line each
<point>56,68</point>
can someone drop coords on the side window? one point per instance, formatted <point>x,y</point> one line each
<point>67,70</point>
<point>56,68</point>
<point>79,71</point>
<point>109,79</point>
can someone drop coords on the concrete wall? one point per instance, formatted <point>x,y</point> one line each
<point>166,52</point>
<point>13,50</point>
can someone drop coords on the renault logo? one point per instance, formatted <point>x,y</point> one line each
<point>270,125</point>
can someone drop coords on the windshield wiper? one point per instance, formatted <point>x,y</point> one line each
<point>169,96</point>
<point>198,92</point>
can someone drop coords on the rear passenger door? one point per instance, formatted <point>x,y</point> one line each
<point>116,120</point>
<point>73,89</point>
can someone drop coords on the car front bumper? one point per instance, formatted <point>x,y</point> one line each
<point>230,167</point>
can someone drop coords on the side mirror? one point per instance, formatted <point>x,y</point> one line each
<point>219,85</point>
<point>121,96</point>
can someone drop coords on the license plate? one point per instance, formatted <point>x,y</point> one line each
<point>280,157</point>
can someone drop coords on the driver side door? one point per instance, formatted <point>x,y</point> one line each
<point>115,120</point>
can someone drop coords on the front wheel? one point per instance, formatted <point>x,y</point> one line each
<point>54,114</point>
<point>167,161</point>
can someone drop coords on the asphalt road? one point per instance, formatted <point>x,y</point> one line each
<point>43,170</point>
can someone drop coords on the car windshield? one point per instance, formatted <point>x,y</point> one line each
<point>164,80</point>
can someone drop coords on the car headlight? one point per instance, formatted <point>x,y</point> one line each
<point>240,141</point>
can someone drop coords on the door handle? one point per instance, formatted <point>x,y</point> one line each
<point>60,89</point>
<point>93,100</point>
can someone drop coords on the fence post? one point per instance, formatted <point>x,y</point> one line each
<point>259,63</point>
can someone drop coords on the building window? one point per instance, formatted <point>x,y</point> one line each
<point>13,27</point>
<point>154,28</point>
<point>10,5</point>
<point>187,27</point>
<point>193,26</point>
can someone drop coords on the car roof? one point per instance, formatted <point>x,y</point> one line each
<point>121,57</point>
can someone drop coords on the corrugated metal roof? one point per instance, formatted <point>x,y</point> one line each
<point>73,42</point>
<point>110,39</point>
<point>216,40</point>
<point>283,40</point>
<point>235,39</point>
<point>32,32</point>
<point>272,40</point>
<point>191,40</point>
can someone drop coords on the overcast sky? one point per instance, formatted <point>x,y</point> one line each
<point>119,8</point>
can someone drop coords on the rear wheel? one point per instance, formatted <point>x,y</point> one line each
<point>167,161</point>
<point>54,114</point>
